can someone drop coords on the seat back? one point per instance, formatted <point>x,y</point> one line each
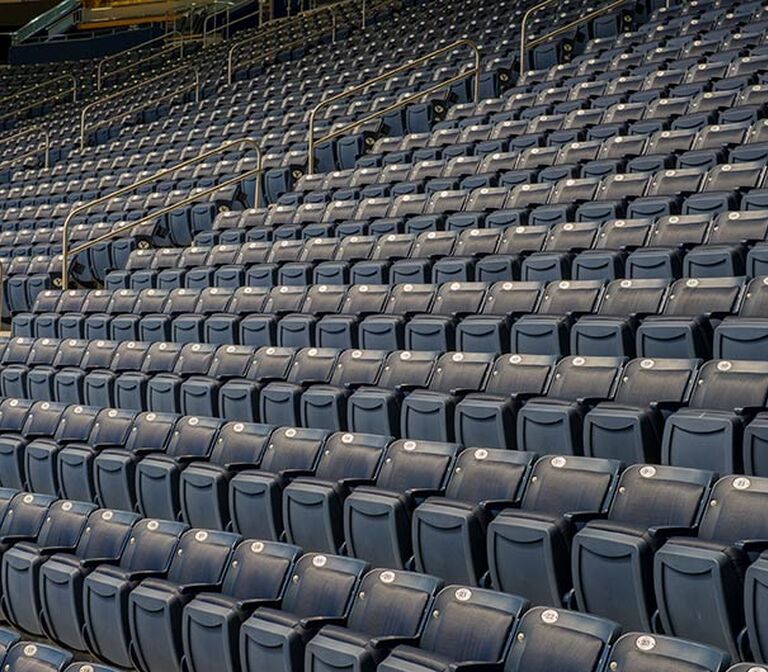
<point>64,524</point>
<point>410,465</point>
<point>28,657</point>
<point>195,359</point>
<point>704,296</point>
<point>351,456</point>
<point>76,423</point>
<point>561,485</point>
<point>406,368</point>
<point>735,510</point>
<point>313,365</point>
<point>231,361</point>
<point>106,534</point>
<point>727,385</point>
<point>645,381</point>
<point>472,624</point>
<point>660,496</point>
<point>202,557</point>
<point>112,428</point>
<point>151,431</point>
<point>161,357</point>
<point>392,604</point>
<point>25,515</point>
<point>193,436</point>
<point>292,448</point>
<point>43,419</point>
<point>152,545</point>
<point>556,639</point>
<point>461,371</point>
<point>565,297</point>
<point>259,570</point>
<point>634,297</point>
<point>484,475</point>
<point>638,652</point>
<point>585,378</point>
<point>322,585</point>
<point>358,367</point>
<point>13,414</point>
<point>240,443</point>
<point>520,375</point>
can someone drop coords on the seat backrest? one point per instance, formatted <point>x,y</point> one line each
<point>151,431</point>
<point>64,524</point>
<point>76,423</point>
<point>248,300</point>
<point>106,534</point>
<point>645,381</point>
<point>231,361</point>
<point>755,298</point>
<point>259,570</point>
<point>358,367</point>
<point>313,365</point>
<point>392,603</point>
<point>702,296</point>
<point>410,368</point>
<point>28,657</point>
<point>366,299</point>
<point>556,639</point>
<point>161,357</point>
<point>271,363</point>
<point>459,298</point>
<point>408,298</point>
<point>129,356</point>
<point>660,496</point>
<point>461,371</point>
<point>25,515</point>
<point>324,299</point>
<point>472,624</point>
<point>562,485</point>
<point>727,385</point>
<point>112,428</point>
<point>202,557</point>
<point>639,652</point>
<point>564,297</point>
<point>241,444</point>
<point>193,436</point>
<point>43,419</point>
<point>585,378</point>
<point>410,465</point>
<point>483,475</point>
<point>70,352</point>
<point>736,510</point>
<point>13,414</point>
<point>351,456</point>
<point>292,448</point>
<point>152,545</point>
<point>17,350</point>
<point>322,585</point>
<point>512,298</point>
<point>195,359</point>
<point>520,375</point>
<point>634,297</point>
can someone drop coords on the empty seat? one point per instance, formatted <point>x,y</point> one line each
<point>705,574</point>
<point>482,622</point>
<point>449,532</point>
<point>612,559</point>
<point>529,547</point>
<point>320,593</point>
<point>637,652</point>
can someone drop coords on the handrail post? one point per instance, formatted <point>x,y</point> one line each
<point>523,35</point>
<point>333,26</point>
<point>365,7</point>
<point>66,253</point>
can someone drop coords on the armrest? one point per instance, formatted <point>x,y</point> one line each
<point>752,545</point>
<point>314,622</point>
<point>354,482</point>
<point>392,641</point>
<point>13,538</point>
<point>198,588</point>
<point>749,410</point>
<point>670,406</point>
<point>423,493</point>
<point>665,532</point>
<point>258,603</point>
<point>579,517</point>
<point>590,401</point>
<point>461,391</point>
<point>144,574</point>
<point>296,473</point>
<point>475,666</point>
<point>93,562</point>
<point>498,504</point>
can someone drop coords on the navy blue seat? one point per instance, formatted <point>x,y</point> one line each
<point>529,547</point>
<point>320,592</point>
<point>638,652</point>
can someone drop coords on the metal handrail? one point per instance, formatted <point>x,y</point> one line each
<point>259,12</point>
<point>276,25</point>
<point>29,131</point>
<point>561,29</point>
<point>227,9</point>
<point>163,37</point>
<point>15,113</point>
<point>135,87</point>
<point>66,253</point>
<point>473,72</point>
